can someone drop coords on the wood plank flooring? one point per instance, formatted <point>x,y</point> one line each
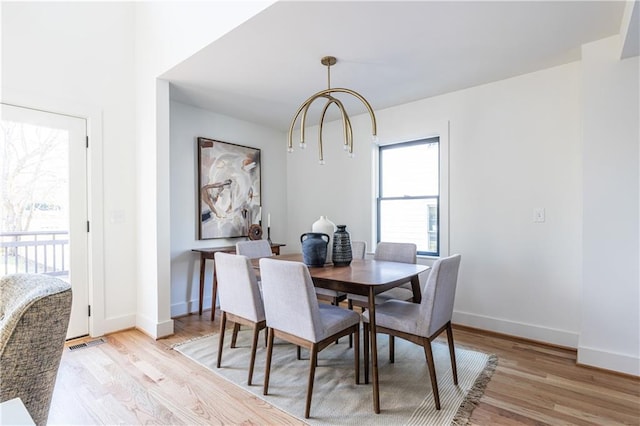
<point>132,379</point>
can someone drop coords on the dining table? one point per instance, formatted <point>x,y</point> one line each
<point>366,277</point>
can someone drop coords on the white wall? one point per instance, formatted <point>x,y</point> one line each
<point>66,58</point>
<point>101,61</point>
<point>611,291</point>
<point>187,124</point>
<point>166,33</point>
<point>514,146</point>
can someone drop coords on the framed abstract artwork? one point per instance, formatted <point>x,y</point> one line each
<point>229,188</point>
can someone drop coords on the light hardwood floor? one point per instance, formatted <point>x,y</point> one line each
<point>132,379</point>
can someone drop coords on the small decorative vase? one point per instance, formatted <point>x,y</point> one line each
<point>325,226</point>
<point>314,248</point>
<point>342,255</point>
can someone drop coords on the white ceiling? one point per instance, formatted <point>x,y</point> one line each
<point>390,52</point>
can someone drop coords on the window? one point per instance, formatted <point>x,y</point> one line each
<point>408,194</point>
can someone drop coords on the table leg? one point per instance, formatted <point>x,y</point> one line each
<point>374,350</point>
<point>415,286</point>
<point>214,294</point>
<point>202,270</point>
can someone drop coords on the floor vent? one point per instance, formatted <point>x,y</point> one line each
<point>86,344</point>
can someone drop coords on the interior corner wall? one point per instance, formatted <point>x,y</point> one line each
<point>610,331</point>
<point>514,145</point>
<point>187,124</point>
<point>165,33</point>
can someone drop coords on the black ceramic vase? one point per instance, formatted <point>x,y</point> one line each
<point>342,255</point>
<point>314,248</point>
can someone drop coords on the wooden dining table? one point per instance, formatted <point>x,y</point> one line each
<point>366,277</point>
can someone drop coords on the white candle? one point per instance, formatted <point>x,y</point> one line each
<point>269,220</point>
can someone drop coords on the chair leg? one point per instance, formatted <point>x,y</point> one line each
<point>426,343</point>
<point>452,353</point>
<point>350,307</point>
<point>334,302</point>
<point>313,359</point>
<point>298,353</point>
<point>234,336</point>
<point>392,349</point>
<point>266,333</point>
<point>267,369</point>
<point>366,352</point>
<point>254,347</point>
<point>223,323</point>
<point>356,352</point>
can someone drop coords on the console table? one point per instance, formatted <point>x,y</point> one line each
<point>208,254</point>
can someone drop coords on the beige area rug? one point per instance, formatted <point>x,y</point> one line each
<point>405,387</point>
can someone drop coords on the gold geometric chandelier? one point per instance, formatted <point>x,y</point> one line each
<point>327,94</point>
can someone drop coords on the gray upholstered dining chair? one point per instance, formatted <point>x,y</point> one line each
<point>358,249</point>
<point>34,316</point>
<point>422,323</point>
<point>240,301</point>
<point>294,314</point>
<point>254,249</point>
<point>392,252</point>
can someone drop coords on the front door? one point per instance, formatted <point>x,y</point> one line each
<point>44,215</point>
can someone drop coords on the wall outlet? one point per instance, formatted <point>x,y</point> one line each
<point>538,215</point>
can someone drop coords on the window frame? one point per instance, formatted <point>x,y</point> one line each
<point>438,197</point>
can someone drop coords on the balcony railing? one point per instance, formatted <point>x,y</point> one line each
<point>43,252</point>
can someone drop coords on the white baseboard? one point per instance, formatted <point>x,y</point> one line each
<point>154,329</point>
<point>607,360</point>
<point>528,331</point>
<point>111,325</point>
<point>189,307</point>
<point>164,329</point>
<point>149,327</point>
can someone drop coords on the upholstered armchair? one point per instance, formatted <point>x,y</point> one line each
<point>34,316</point>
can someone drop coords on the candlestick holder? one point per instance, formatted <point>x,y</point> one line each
<point>269,234</point>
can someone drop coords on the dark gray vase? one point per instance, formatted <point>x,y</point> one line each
<point>314,248</point>
<point>342,255</point>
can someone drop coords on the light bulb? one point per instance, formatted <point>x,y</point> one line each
<point>345,147</point>
<point>374,139</point>
<point>321,162</point>
<point>303,145</point>
<point>290,149</point>
<point>352,155</point>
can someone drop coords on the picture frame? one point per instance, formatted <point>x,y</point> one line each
<point>229,189</point>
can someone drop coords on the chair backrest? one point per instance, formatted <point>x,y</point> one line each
<point>396,252</point>
<point>34,316</point>
<point>439,294</point>
<point>358,249</point>
<point>254,249</point>
<point>290,301</point>
<point>238,287</point>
